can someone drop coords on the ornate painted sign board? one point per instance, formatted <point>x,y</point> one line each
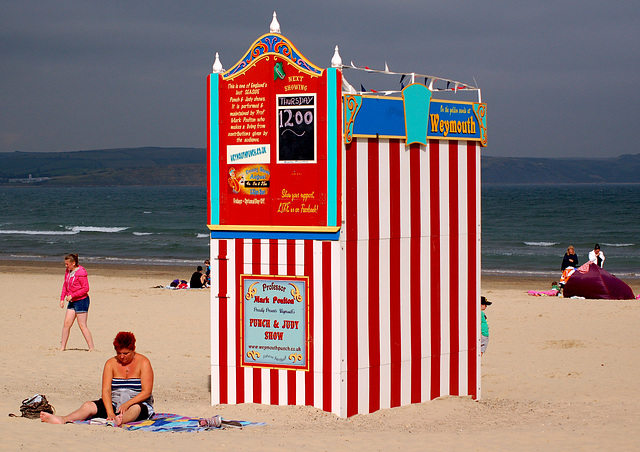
<point>274,330</point>
<point>274,145</point>
<point>415,117</point>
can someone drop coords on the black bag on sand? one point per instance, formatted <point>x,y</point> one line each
<point>32,407</point>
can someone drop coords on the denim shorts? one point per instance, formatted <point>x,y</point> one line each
<point>80,306</point>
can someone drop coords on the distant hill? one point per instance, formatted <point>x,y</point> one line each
<point>154,166</point>
<point>147,166</point>
<point>512,170</point>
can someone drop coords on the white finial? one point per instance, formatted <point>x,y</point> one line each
<point>275,26</point>
<point>217,65</point>
<point>336,61</point>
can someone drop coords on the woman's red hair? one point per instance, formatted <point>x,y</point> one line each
<point>124,339</point>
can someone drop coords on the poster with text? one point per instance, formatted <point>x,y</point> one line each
<point>274,321</point>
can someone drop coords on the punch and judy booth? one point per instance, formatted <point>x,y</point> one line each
<point>345,235</point>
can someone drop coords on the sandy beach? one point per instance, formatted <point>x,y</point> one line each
<point>559,374</point>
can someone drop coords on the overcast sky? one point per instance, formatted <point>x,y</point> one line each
<point>560,78</point>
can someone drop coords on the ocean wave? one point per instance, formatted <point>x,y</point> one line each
<point>96,229</point>
<point>143,260</point>
<point>618,244</point>
<point>26,232</point>
<point>143,233</point>
<point>203,236</point>
<point>541,243</point>
<point>146,211</point>
<point>518,272</point>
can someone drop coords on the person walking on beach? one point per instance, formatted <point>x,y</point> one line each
<point>570,258</point>
<point>484,326</point>
<point>596,256</point>
<point>127,386</point>
<point>75,291</point>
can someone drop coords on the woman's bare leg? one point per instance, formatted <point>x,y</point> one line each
<point>129,416</point>
<point>87,410</point>
<point>82,323</point>
<point>69,318</point>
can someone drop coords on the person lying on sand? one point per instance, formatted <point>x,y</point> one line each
<point>127,384</point>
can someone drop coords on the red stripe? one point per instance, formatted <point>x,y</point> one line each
<point>223,300</point>
<point>274,393</point>
<point>454,271</point>
<point>352,277</point>
<point>434,191</point>
<point>474,298</point>
<point>374,274</point>
<point>308,271</point>
<point>239,243</point>
<point>395,325</point>
<point>256,269</point>
<point>327,316</point>
<point>291,374</point>
<point>415,270</point>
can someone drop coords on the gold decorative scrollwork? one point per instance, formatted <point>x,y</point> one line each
<point>352,106</point>
<point>295,357</point>
<point>251,291</point>
<point>481,110</point>
<point>295,292</point>
<point>253,354</point>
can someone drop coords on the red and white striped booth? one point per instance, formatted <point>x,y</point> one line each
<point>359,252</point>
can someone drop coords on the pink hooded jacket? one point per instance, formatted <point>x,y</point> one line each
<point>77,285</point>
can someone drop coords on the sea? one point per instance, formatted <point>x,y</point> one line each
<point>526,229</point>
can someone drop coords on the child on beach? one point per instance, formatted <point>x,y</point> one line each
<point>484,326</point>
<point>554,292</point>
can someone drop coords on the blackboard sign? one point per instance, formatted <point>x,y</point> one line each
<point>296,116</point>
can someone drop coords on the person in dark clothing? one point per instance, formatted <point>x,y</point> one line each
<point>570,258</point>
<point>197,279</point>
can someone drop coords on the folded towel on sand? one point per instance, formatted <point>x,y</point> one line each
<point>166,422</point>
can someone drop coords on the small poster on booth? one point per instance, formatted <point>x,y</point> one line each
<point>274,321</point>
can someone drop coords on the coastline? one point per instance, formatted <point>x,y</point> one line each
<point>557,373</point>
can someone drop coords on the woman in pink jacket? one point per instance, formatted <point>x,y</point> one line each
<point>75,291</point>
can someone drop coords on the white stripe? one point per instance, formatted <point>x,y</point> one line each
<point>405,274</point>
<point>338,282</point>
<point>231,301</point>
<point>318,322</point>
<point>445,272</point>
<point>215,319</point>
<point>384,283</point>
<point>425,273</point>
<point>247,371</point>
<point>463,271</point>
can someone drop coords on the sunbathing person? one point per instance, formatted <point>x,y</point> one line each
<point>127,383</point>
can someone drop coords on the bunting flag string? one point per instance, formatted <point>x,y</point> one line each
<point>457,86</point>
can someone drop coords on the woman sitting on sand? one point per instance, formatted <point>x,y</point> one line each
<point>127,383</point>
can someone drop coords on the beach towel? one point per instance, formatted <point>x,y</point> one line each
<point>167,422</point>
<point>543,293</point>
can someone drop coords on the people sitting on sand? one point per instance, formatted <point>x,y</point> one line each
<point>127,385</point>
<point>207,273</point>
<point>198,280</point>
<point>570,258</point>
<point>596,256</point>
<point>554,292</point>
